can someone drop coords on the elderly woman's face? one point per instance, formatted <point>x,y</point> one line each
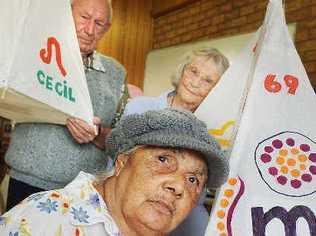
<point>158,187</point>
<point>198,78</point>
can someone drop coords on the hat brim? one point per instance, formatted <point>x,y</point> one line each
<point>216,161</point>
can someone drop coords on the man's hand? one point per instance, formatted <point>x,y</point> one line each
<point>99,141</point>
<point>81,131</point>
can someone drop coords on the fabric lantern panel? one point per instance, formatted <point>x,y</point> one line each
<point>41,73</point>
<point>271,189</point>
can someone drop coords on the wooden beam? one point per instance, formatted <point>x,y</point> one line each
<point>130,37</point>
<point>163,7</point>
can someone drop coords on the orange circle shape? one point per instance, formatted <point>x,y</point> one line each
<point>284,169</point>
<point>232,181</point>
<point>224,203</point>
<point>280,160</point>
<point>294,151</point>
<point>291,162</point>
<point>229,192</point>
<point>221,214</point>
<point>302,158</point>
<point>295,173</point>
<point>283,152</point>
<point>221,226</point>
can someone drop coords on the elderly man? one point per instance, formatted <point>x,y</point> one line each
<point>49,156</point>
<point>163,160</point>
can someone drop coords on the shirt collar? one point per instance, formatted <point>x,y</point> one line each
<point>91,209</point>
<point>93,62</point>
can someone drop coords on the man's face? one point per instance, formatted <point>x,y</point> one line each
<point>158,187</point>
<point>91,19</point>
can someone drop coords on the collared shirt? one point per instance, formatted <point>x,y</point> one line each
<point>93,62</point>
<point>78,210</point>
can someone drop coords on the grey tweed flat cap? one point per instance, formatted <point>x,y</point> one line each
<point>170,128</point>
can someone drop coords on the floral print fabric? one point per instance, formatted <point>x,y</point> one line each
<point>76,210</point>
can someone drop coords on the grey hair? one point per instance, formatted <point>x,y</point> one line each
<point>221,62</point>
<point>102,176</point>
<point>110,8</point>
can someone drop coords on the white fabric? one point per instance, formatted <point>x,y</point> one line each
<point>36,86</point>
<point>267,111</point>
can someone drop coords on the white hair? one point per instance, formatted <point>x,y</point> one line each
<point>109,6</point>
<point>220,61</point>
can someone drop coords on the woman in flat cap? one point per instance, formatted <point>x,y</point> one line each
<point>163,161</point>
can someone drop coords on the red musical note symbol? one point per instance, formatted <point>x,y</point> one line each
<point>46,54</point>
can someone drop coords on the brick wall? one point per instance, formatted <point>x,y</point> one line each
<point>218,18</point>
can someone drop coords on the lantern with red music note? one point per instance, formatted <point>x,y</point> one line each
<point>41,72</point>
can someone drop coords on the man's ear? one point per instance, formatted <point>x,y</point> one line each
<point>120,163</point>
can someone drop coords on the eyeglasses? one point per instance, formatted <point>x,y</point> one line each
<point>193,72</point>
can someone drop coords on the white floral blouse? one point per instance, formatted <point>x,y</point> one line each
<point>76,210</point>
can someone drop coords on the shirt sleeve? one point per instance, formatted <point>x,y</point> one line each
<point>139,105</point>
<point>135,105</point>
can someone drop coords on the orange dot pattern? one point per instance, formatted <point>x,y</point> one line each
<point>294,151</point>
<point>221,226</point>
<point>284,169</point>
<point>295,173</point>
<point>291,162</point>
<point>232,181</point>
<point>302,167</point>
<point>302,158</point>
<point>221,214</point>
<point>280,160</point>
<point>224,203</point>
<point>228,193</point>
<point>283,152</point>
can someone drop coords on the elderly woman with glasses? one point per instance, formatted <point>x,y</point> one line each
<point>195,77</point>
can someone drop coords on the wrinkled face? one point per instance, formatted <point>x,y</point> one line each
<point>197,80</point>
<point>158,187</point>
<point>91,19</point>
